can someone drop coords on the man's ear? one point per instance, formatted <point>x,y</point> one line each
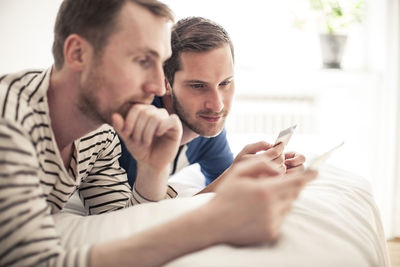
<point>167,87</point>
<point>76,52</point>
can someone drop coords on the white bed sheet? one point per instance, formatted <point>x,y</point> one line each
<point>333,223</point>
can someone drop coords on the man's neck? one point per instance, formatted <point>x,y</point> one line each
<point>187,134</point>
<point>67,122</point>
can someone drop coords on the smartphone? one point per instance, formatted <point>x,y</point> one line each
<point>285,135</point>
<point>316,162</point>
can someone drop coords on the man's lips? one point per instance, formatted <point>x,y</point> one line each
<point>210,118</point>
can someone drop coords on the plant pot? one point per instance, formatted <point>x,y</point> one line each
<point>332,49</point>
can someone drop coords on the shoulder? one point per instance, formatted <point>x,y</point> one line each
<point>104,134</point>
<point>98,140</point>
<point>19,78</point>
<point>22,93</point>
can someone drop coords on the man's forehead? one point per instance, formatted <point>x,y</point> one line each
<point>222,52</point>
<point>143,32</point>
<point>218,59</point>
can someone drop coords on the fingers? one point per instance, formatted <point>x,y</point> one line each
<point>299,168</point>
<point>269,152</point>
<point>270,199</point>
<point>144,122</point>
<point>284,191</point>
<point>275,151</point>
<point>147,134</point>
<point>118,122</point>
<point>258,167</point>
<point>293,159</point>
<point>172,122</point>
<point>293,183</point>
<point>255,147</point>
<point>279,160</point>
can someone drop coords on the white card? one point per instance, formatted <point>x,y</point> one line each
<point>316,162</point>
<point>285,135</point>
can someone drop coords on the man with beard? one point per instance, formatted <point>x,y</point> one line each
<point>200,88</point>
<point>55,138</point>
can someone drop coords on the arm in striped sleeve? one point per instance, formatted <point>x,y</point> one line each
<point>27,232</point>
<point>106,187</point>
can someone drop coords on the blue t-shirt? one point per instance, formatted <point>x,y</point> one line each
<point>212,154</point>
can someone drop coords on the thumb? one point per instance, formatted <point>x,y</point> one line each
<point>117,122</point>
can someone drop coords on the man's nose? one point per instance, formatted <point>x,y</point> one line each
<point>215,101</point>
<point>156,85</point>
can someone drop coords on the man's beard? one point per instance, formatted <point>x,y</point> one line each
<point>184,117</point>
<point>88,102</point>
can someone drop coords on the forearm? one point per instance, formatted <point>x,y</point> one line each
<point>158,245</point>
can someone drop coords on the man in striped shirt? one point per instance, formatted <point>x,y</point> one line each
<point>55,139</point>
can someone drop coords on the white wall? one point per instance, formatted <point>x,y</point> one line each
<point>26,33</point>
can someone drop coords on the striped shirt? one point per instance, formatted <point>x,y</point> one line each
<point>34,183</point>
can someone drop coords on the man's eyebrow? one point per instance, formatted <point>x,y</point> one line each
<point>194,81</point>
<point>230,78</point>
<point>146,50</point>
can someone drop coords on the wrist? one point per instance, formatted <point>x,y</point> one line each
<point>151,183</point>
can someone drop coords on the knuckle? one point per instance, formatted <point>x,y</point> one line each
<point>163,111</point>
<point>174,117</point>
<point>274,153</point>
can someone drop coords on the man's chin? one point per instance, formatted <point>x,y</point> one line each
<point>210,133</point>
<point>204,129</point>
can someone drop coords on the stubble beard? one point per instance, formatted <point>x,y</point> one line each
<point>88,102</point>
<point>184,117</point>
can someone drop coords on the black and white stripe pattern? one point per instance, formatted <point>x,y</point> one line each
<point>35,184</point>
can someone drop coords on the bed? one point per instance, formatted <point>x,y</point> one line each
<point>334,222</point>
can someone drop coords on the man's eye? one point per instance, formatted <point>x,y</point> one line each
<point>196,85</point>
<point>145,62</point>
<point>225,83</point>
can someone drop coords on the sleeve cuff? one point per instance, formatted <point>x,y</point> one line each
<point>171,193</point>
<point>139,199</point>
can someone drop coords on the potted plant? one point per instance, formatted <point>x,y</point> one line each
<point>334,17</point>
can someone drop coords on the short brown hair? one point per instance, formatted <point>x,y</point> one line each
<point>194,34</point>
<point>94,20</point>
